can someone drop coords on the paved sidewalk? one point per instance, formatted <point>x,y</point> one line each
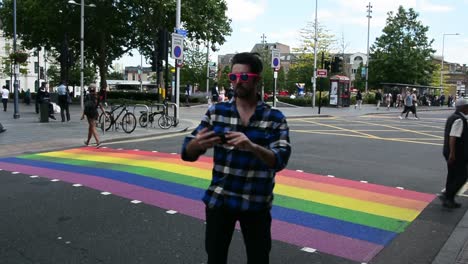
<point>27,134</point>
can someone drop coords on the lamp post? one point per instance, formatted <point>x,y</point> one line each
<point>369,11</point>
<point>82,5</point>
<point>442,61</point>
<point>16,114</point>
<point>315,57</point>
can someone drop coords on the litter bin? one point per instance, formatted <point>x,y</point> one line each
<point>44,112</point>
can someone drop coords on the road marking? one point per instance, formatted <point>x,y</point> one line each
<point>331,176</point>
<point>135,202</point>
<point>308,249</point>
<point>401,188</point>
<point>33,176</point>
<point>149,138</point>
<point>77,185</point>
<point>299,170</point>
<point>105,193</point>
<point>15,172</point>
<point>364,181</point>
<point>54,180</point>
<point>397,128</point>
<point>344,129</point>
<point>171,212</point>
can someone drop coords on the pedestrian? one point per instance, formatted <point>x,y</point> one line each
<point>378,98</point>
<point>222,94</point>
<point>358,100</point>
<point>214,93</point>
<point>442,99</point>
<point>5,96</point>
<point>27,97</point>
<point>455,153</point>
<point>388,101</point>
<point>63,96</point>
<point>40,96</point>
<point>230,93</point>
<point>449,101</point>
<point>399,100</point>
<point>103,95</point>
<point>409,106</point>
<point>251,143</point>
<point>91,105</point>
<point>188,91</point>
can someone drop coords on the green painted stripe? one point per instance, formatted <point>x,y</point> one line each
<point>380,222</point>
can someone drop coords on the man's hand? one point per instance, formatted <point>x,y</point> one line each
<point>205,139</point>
<point>451,159</point>
<point>239,140</point>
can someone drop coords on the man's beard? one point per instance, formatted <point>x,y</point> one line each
<point>243,92</point>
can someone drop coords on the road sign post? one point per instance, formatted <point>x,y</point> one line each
<point>177,47</point>
<point>275,64</point>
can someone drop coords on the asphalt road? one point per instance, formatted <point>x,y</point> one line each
<point>56,222</point>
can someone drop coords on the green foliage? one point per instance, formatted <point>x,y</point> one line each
<point>56,25</point>
<point>223,79</point>
<point>194,70</point>
<point>360,81</point>
<point>403,53</point>
<point>115,76</point>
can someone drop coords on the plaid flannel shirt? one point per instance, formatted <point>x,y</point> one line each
<point>241,181</point>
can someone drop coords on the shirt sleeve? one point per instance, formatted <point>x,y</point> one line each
<point>457,128</point>
<point>205,122</point>
<point>281,145</point>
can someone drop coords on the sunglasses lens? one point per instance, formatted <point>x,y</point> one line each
<point>232,77</point>
<point>244,77</point>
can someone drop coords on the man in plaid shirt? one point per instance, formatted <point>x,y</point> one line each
<point>251,143</point>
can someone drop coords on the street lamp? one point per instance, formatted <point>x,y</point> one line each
<point>315,57</point>
<point>16,114</point>
<point>442,62</point>
<point>369,11</point>
<point>82,5</point>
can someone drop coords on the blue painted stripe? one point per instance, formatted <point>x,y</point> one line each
<point>331,225</point>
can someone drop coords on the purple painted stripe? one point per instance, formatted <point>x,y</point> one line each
<point>342,246</point>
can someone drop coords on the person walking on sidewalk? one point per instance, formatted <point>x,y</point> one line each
<point>358,100</point>
<point>5,96</point>
<point>251,143</point>
<point>63,96</point>
<point>455,153</point>
<point>91,105</point>
<point>388,101</point>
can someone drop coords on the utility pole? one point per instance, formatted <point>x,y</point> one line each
<point>369,11</point>
<point>315,57</point>
<point>264,43</point>
<point>177,82</point>
<point>16,114</point>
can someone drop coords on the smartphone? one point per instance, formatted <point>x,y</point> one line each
<point>222,136</point>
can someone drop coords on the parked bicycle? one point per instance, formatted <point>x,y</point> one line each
<point>165,121</point>
<point>128,120</point>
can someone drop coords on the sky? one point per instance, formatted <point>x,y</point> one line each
<point>281,21</point>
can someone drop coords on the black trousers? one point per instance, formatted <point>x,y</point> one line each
<point>255,227</point>
<point>62,100</point>
<point>5,103</point>
<point>457,175</point>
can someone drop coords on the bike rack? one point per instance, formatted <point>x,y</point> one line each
<point>157,105</point>
<point>141,105</point>
<point>176,108</point>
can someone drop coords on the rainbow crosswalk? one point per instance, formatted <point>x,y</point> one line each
<point>340,217</point>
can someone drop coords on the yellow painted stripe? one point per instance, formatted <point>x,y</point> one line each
<point>296,192</point>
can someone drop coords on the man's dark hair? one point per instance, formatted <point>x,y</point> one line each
<point>249,58</point>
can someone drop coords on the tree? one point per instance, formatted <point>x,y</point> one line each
<point>359,80</point>
<point>56,25</point>
<point>302,69</point>
<point>194,70</point>
<point>115,76</point>
<point>223,78</point>
<point>403,53</point>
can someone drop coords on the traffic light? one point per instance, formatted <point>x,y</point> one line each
<point>154,61</point>
<point>339,64</point>
<point>327,65</point>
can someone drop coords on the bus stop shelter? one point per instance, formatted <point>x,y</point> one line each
<point>399,88</point>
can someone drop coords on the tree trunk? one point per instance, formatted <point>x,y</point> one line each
<point>102,61</point>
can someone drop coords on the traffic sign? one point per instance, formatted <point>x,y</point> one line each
<point>275,58</point>
<point>322,73</point>
<point>182,32</point>
<point>177,46</point>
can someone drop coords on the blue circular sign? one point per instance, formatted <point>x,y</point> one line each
<point>275,62</point>
<point>177,51</point>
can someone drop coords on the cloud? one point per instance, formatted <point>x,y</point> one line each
<point>429,7</point>
<point>246,30</point>
<point>245,10</point>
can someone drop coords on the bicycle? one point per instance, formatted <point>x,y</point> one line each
<point>164,121</point>
<point>128,121</point>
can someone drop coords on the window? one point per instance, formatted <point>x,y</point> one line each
<point>133,76</point>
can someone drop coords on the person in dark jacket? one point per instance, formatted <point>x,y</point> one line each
<point>455,153</point>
